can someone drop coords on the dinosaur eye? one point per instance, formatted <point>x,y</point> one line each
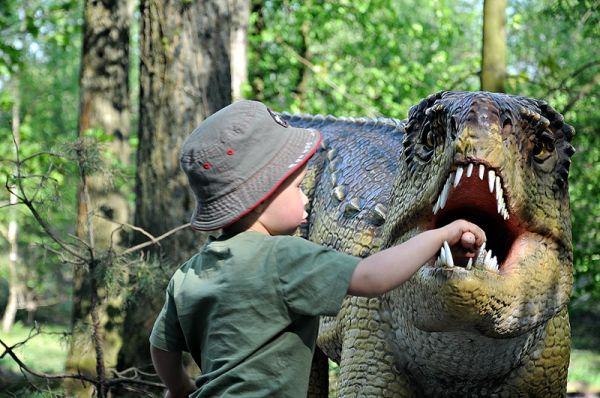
<point>543,147</point>
<point>426,143</point>
<point>428,139</point>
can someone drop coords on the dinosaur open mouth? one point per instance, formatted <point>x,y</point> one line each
<point>475,192</point>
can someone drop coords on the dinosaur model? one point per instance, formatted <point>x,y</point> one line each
<point>494,327</point>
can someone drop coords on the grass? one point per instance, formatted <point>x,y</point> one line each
<point>47,352</point>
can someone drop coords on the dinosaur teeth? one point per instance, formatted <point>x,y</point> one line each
<point>491,180</point>
<point>449,259</point>
<point>441,202</point>
<point>484,260</point>
<point>494,183</point>
<point>458,176</point>
<point>470,169</point>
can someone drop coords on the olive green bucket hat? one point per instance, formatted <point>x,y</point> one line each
<point>238,157</point>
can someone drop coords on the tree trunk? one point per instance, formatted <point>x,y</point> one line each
<point>493,59</point>
<point>184,77</point>
<point>240,15</point>
<point>104,109</point>
<point>15,287</point>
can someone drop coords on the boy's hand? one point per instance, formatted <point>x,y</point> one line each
<point>465,236</point>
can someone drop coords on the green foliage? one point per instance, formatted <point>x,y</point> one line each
<point>551,59</point>
<point>366,58</point>
<point>42,78</point>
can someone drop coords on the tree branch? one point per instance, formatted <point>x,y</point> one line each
<point>154,240</point>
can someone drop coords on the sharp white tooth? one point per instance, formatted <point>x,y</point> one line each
<point>492,265</point>
<point>449,259</point>
<point>479,260</point>
<point>458,176</point>
<point>469,169</point>
<point>481,171</point>
<point>442,256</point>
<point>436,207</point>
<point>470,263</point>
<point>444,194</point>
<point>491,180</point>
<point>488,256</point>
<point>498,185</point>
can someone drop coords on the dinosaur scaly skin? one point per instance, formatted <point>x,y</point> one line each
<point>497,327</point>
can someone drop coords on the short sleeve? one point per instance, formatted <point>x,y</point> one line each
<point>314,279</point>
<point>166,333</point>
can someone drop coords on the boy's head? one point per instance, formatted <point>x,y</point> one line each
<point>238,157</point>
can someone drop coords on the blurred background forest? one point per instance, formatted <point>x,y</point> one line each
<point>96,97</point>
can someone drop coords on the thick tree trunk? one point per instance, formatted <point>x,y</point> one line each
<point>493,59</point>
<point>240,15</point>
<point>104,107</point>
<point>184,77</point>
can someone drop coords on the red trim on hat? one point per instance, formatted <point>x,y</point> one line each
<point>292,171</point>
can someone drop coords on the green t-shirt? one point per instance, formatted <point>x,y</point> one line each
<point>247,309</point>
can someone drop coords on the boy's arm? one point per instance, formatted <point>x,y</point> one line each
<point>170,369</point>
<point>389,268</point>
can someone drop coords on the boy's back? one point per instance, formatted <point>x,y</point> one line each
<point>247,308</point>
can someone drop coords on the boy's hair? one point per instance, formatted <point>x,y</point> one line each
<point>238,157</point>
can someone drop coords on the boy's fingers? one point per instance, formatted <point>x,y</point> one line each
<point>467,240</point>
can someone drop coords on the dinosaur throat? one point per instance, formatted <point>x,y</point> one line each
<point>475,192</point>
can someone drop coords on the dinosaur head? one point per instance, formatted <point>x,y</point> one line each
<point>501,162</point>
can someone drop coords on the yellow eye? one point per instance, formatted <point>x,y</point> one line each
<point>543,149</point>
<point>539,151</point>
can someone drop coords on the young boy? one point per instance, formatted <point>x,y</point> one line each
<point>247,305</point>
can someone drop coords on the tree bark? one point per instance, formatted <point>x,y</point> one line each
<point>493,59</point>
<point>240,15</point>
<point>105,108</point>
<point>184,77</point>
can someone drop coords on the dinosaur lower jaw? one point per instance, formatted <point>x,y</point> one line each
<point>485,259</point>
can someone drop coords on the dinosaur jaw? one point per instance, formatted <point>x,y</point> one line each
<point>475,191</point>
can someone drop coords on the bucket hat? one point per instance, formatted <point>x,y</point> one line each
<point>237,157</point>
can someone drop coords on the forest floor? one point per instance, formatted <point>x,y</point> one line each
<point>47,353</point>
<point>584,372</point>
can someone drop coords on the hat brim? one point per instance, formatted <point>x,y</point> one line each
<point>226,210</point>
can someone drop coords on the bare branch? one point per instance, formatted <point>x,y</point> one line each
<point>38,154</point>
<point>585,90</point>
<point>50,233</point>
<point>155,240</point>
<point>563,83</point>
<point>9,350</point>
